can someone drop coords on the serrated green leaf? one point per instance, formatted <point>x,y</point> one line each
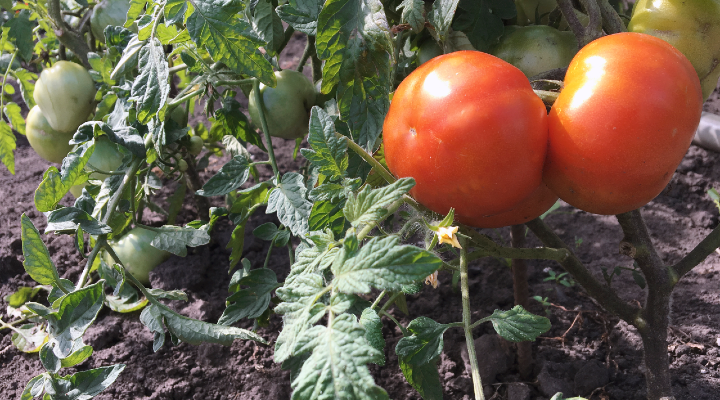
<point>230,120</point>
<point>299,310</point>
<point>302,15</point>
<point>14,114</point>
<point>289,202</point>
<point>21,34</point>
<point>234,147</point>
<point>371,204</point>
<point>384,264</point>
<point>518,325</point>
<point>336,369</point>
<point>7,146</point>
<point>329,152</point>
<point>70,218</point>
<point>413,13</point>
<point>175,11</point>
<point>441,17</point>
<point>214,26</point>
<point>26,80</point>
<point>176,239</point>
<point>423,378</point>
<point>85,384</point>
<point>312,260</point>
<point>267,25</point>
<point>230,177</point>
<point>38,263</point>
<point>370,320</point>
<point>482,21</point>
<point>151,87</point>
<point>56,184</point>
<point>253,301</point>
<point>75,313</point>
<point>425,344</point>
<point>324,215</point>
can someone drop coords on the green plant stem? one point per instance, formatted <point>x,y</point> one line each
<point>389,316</point>
<point>4,81</point>
<point>706,247</point>
<point>396,54</point>
<point>390,301</point>
<point>182,98</point>
<point>584,34</point>
<point>377,301</point>
<point>521,293</point>
<point>112,205</point>
<point>288,34</point>
<point>369,227</point>
<point>13,323</point>
<point>291,253</point>
<point>465,289</point>
<point>238,82</point>
<point>389,178</point>
<point>267,257</point>
<point>307,53</point>
<point>611,21</point>
<point>605,296</point>
<point>156,17</point>
<point>4,325</point>
<point>177,68</point>
<point>266,131</point>
<point>69,38</point>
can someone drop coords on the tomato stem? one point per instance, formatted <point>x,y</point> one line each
<point>377,301</point>
<point>7,71</point>
<point>467,320</point>
<point>264,126</point>
<point>389,178</point>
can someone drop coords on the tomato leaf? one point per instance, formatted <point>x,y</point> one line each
<point>174,11</point>
<point>267,25</point>
<point>253,301</point>
<point>329,152</point>
<point>85,384</point>
<point>369,205</point>
<point>76,312</point>
<point>7,146</point>
<point>288,200</point>
<point>384,264</point>
<point>176,239</point>
<point>14,114</point>
<point>302,15</point>
<point>425,344</point>
<point>299,311</point>
<point>413,13</point>
<point>151,88</point>
<point>337,365</point>
<point>423,378</point>
<point>518,325</point>
<point>230,177</point>
<point>68,219</point>
<point>441,17</point>
<point>29,338</point>
<point>482,21</point>
<point>34,387</point>
<point>21,34</point>
<point>214,26</point>
<point>26,80</point>
<point>370,320</point>
<point>38,263</point>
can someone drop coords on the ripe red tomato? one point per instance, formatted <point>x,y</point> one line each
<point>530,208</point>
<point>622,124</point>
<point>471,131</point>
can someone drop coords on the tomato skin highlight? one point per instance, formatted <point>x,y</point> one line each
<point>528,209</point>
<point>471,132</point>
<point>622,124</point>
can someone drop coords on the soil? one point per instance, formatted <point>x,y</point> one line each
<point>587,351</point>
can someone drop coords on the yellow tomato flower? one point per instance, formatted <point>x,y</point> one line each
<point>447,235</point>
<point>432,280</point>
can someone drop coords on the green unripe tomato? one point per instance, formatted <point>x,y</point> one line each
<point>66,95</point>
<point>536,49</point>
<point>48,143</point>
<point>196,145</point>
<point>105,157</point>
<point>179,115</point>
<point>286,106</point>
<point>107,13</point>
<point>182,165</point>
<point>693,27</point>
<point>137,255</point>
<point>428,50</point>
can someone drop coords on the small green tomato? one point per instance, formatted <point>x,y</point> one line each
<point>137,254</point>
<point>286,106</point>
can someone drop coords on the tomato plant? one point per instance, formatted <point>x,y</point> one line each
<point>610,153</point>
<point>105,157</point>
<point>137,254</point>
<point>427,51</point>
<point>50,144</point>
<point>460,157</point>
<point>287,105</point>
<point>535,49</point>
<point>66,95</point>
<point>693,27</point>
